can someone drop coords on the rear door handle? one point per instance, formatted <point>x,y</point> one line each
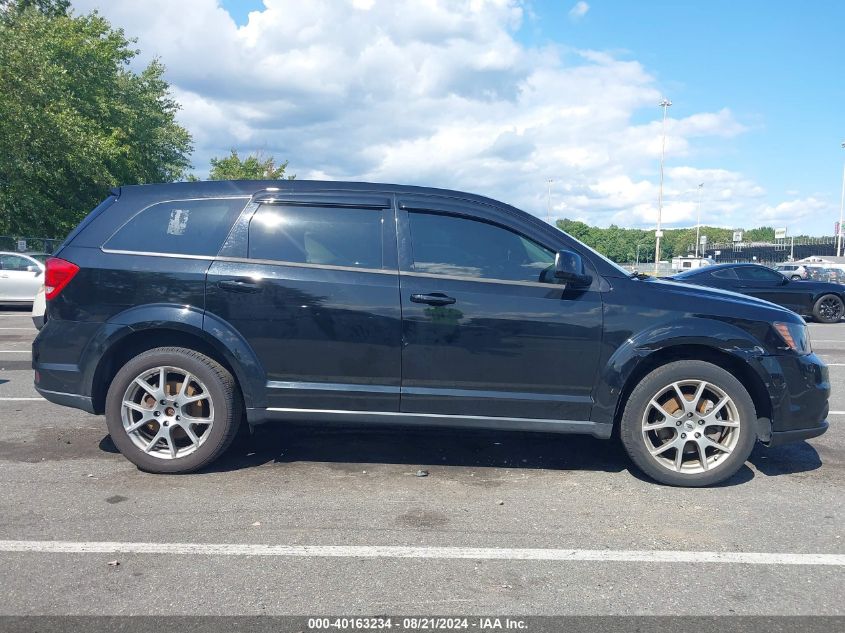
<point>433,299</point>
<point>238,285</point>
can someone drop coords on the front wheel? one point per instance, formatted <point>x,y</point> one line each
<point>829,309</point>
<point>689,423</point>
<point>172,410</point>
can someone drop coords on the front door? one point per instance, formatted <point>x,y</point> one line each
<point>764,283</point>
<point>484,333</point>
<point>315,293</point>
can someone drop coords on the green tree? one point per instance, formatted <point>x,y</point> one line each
<point>74,119</point>
<point>620,244</point>
<point>253,167</point>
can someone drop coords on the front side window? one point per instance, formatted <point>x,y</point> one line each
<point>451,245</point>
<point>181,227</point>
<point>14,262</point>
<point>331,236</point>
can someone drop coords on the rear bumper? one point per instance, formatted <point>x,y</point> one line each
<point>67,399</point>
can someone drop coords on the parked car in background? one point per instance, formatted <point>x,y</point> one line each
<point>21,275</point>
<point>178,310</point>
<point>834,275</point>
<point>793,271</point>
<point>817,273</point>
<point>823,301</point>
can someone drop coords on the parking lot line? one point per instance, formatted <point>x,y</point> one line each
<point>399,551</point>
<point>15,351</point>
<point>11,399</point>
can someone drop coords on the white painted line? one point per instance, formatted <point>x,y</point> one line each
<point>28,329</point>
<point>399,551</point>
<point>836,412</point>
<point>15,351</point>
<point>21,399</point>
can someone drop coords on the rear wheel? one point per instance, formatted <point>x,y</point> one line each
<point>172,410</point>
<point>689,423</point>
<point>829,309</point>
<point>796,277</point>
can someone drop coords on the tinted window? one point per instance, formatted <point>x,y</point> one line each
<point>186,227</point>
<point>724,273</point>
<point>758,273</point>
<point>449,245</point>
<point>317,235</point>
<point>14,262</point>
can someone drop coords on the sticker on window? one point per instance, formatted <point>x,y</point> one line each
<point>178,221</point>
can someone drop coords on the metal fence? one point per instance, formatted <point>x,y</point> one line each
<point>21,244</point>
<point>772,252</point>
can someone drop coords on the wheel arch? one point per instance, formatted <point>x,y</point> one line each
<point>120,342</point>
<point>736,365</point>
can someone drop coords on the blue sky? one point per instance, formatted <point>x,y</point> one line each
<point>499,98</point>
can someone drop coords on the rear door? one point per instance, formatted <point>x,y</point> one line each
<point>311,283</point>
<point>17,281</point>
<point>483,334</point>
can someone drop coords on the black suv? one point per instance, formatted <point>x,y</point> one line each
<point>178,310</point>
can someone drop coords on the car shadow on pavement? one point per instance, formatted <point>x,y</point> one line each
<point>420,448</point>
<point>427,447</point>
<point>430,447</point>
<point>789,459</point>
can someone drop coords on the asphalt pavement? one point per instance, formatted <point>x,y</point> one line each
<point>307,520</point>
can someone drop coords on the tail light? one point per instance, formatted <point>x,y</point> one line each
<point>58,275</point>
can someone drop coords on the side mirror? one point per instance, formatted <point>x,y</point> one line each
<point>34,269</point>
<point>569,268</point>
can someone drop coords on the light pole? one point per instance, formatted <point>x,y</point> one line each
<point>698,220</point>
<point>841,213</point>
<point>665,105</point>
<point>549,202</point>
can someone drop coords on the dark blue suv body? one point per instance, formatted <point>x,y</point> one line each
<point>179,309</point>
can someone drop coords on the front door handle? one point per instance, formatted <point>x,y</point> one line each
<point>238,285</point>
<point>433,299</point>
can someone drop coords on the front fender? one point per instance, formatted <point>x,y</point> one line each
<point>189,321</point>
<point>703,332</point>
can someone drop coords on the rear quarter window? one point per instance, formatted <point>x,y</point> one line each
<point>179,227</point>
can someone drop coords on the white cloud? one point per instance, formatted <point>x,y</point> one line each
<point>579,10</point>
<point>438,93</point>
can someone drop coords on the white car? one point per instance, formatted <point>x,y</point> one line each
<point>21,275</point>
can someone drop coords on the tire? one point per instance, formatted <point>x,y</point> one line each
<point>171,437</point>
<point>698,420</point>
<point>796,277</point>
<point>829,309</point>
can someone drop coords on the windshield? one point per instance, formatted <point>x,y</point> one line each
<point>622,271</point>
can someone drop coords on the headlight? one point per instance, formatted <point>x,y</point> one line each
<point>796,336</point>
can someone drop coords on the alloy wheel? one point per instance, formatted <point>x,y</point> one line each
<point>691,426</point>
<point>831,308</point>
<point>167,412</point>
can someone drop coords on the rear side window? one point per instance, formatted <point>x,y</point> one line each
<point>317,235</point>
<point>724,273</point>
<point>451,245</point>
<point>755,273</point>
<point>180,227</point>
